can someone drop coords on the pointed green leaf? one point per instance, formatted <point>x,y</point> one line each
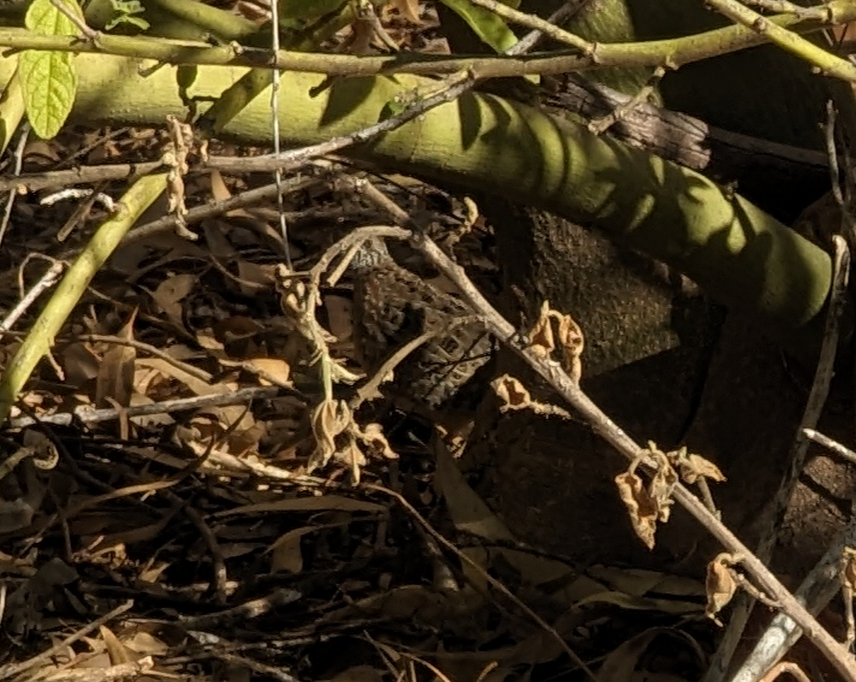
<point>42,17</point>
<point>48,79</point>
<point>491,28</point>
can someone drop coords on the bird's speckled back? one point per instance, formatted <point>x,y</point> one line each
<point>392,306</point>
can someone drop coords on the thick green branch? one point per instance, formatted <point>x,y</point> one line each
<point>673,52</point>
<point>787,40</point>
<point>732,249</point>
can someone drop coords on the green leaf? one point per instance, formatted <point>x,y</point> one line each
<point>185,75</point>
<point>48,79</point>
<point>491,28</point>
<point>42,17</point>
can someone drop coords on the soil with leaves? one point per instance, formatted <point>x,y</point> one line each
<point>206,479</point>
<point>179,497</point>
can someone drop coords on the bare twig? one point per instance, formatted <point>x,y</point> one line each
<point>601,125</point>
<point>448,89</point>
<point>546,26</point>
<point>195,215</point>
<point>613,434</point>
<point>77,19</point>
<point>83,175</point>
<point>19,162</point>
<point>832,445</point>
<point>253,665</point>
<point>47,280</point>
<point>121,671</point>
<point>493,582</point>
<point>14,669</point>
<point>88,415</point>
<point>570,390</point>
<point>816,591</point>
<point>796,461</point>
<point>248,610</point>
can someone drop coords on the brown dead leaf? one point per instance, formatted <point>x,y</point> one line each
<point>329,419</point>
<point>137,530</point>
<point>640,506</point>
<point>468,511</point>
<point>626,663</point>
<point>362,34</point>
<point>79,364</point>
<point>692,467</point>
<point>220,192</point>
<point>573,344</point>
<point>226,415</point>
<point>141,642</point>
<point>286,551</point>
<point>115,649</point>
<point>354,459</point>
<point>41,148</point>
<point>515,396</point>
<point>236,328</point>
<point>720,584</point>
<point>219,246</point>
<point>169,294</point>
<point>641,582</point>
<point>409,9</point>
<point>511,392</point>
<point>648,505</point>
<point>115,381</point>
<point>253,277</point>
<point>541,339</point>
<point>359,673</point>
<point>16,515</point>
<point>848,571</point>
<point>271,371</point>
<point>662,488</point>
<point>471,514</point>
<point>302,504</point>
<point>373,438</point>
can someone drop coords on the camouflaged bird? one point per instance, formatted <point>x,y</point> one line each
<point>393,306</point>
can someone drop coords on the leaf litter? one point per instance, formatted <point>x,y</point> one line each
<point>265,537</point>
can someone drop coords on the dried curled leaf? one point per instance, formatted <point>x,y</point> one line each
<point>329,419</point>
<point>511,392</point>
<point>848,569</point>
<point>298,302</point>
<point>662,484</point>
<point>338,436</point>
<point>640,506</point>
<point>720,585</point>
<point>354,459</point>
<point>542,339</point>
<point>848,587</point>
<point>373,438</point>
<point>648,505</point>
<point>573,343</point>
<point>515,396</point>
<point>693,467</point>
